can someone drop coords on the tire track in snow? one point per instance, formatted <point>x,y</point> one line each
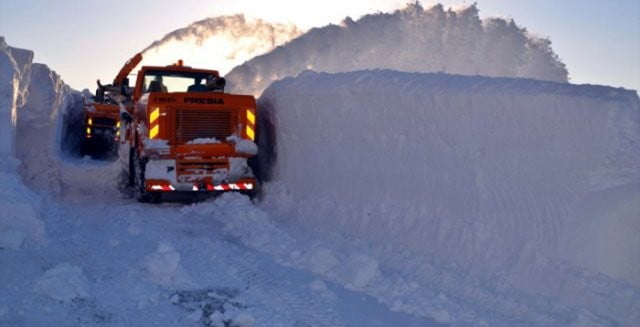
<point>298,302</point>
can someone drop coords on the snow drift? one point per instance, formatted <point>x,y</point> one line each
<point>411,39</point>
<point>533,181</point>
<point>219,42</point>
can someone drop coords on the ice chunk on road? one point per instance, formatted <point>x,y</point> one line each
<point>318,286</point>
<point>195,315</point>
<point>322,260</point>
<point>64,282</point>
<point>359,271</point>
<point>243,320</point>
<point>163,266</point>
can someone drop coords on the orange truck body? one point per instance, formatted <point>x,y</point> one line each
<point>183,140</point>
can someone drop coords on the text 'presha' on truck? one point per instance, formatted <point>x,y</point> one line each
<point>176,130</point>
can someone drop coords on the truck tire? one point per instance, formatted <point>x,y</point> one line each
<point>139,190</point>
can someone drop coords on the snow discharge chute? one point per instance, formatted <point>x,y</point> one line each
<point>225,41</point>
<point>412,39</point>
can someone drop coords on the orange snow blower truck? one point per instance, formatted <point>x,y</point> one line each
<point>181,133</point>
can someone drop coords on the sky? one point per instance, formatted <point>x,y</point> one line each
<point>83,40</point>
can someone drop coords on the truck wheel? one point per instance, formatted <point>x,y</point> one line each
<point>113,150</point>
<point>84,146</point>
<point>139,189</point>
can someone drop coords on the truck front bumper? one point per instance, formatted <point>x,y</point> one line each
<point>158,185</point>
<point>199,175</point>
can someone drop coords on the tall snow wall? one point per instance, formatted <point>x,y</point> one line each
<point>39,128</point>
<point>14,75</point>
<point>510,176</point>
<point>20,223</point>
<point>36,108</point>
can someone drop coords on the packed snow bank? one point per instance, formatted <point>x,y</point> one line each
<point>219,42</point>
<point>411,39</point>
<point>20,223</point>
<point>502,176</point>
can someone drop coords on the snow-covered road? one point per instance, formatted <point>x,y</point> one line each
<point>107,260</point>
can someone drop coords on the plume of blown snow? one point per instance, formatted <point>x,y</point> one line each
<point>412,39</point>
<point>219,42</point>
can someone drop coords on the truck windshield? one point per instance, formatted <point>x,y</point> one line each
<point>163,81</point>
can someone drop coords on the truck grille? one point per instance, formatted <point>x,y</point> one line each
<point>194,124</point>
